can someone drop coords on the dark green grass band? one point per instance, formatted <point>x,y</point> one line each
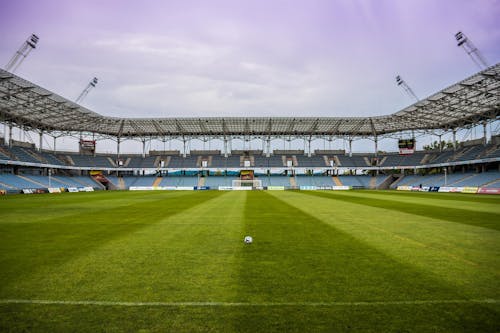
<point>263,304</point>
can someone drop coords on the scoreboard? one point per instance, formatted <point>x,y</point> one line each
<point>246,175</point>
<point>406,146</point>
<point>87,146</point>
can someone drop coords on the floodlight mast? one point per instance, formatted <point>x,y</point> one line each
<point>406,87</point>
<point>471,50</point>
<point>85,91</point>
<point>22,53</point>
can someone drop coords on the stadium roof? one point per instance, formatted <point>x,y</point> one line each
<point>463,104</point>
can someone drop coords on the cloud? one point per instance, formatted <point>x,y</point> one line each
<point>318,58</point>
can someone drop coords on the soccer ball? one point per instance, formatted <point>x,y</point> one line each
<point>248,240</point>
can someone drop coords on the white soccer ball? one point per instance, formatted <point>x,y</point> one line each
<point>248,240</point>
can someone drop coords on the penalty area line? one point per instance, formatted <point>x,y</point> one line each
<point>243,304</point>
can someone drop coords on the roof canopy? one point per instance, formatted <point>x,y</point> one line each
<point>465,103</point>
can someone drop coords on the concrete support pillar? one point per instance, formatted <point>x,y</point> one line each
<point>41,141</point>
<point>55,144</point>
<point>118,147</point>
<point>376,146</point>
<point>454,139</point>
<point>440,146</point>
<point>225,147</point>
<point>485,138</point>
<point>10,135</point>
<point>143,148</point>
<point>268,150</point>
<point>350,147</point>
<point>309,153</point>
<point>184,150</point>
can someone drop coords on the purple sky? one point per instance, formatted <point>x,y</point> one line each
<point>194,58</point>
<point>248,58</point>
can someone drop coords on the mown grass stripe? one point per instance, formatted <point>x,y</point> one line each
<point>462,197</point>
<point>175,258</point>
<point>307,259</point>
<point>464,256</point>
<point>243,304</point>
<point>29,247</point>
<point>433,200</point>
<point>455,215</point>
<point>41,211</point>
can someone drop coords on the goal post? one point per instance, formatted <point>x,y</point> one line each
<point>255,183</point>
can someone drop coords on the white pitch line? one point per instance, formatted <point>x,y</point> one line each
<point>242,304</point>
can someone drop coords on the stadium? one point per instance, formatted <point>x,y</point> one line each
<point>471,166</point>
<point>268,229</point>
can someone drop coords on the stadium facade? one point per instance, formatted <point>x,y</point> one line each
<point>472,102</point>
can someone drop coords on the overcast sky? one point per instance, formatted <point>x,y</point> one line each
<point>248,58</point>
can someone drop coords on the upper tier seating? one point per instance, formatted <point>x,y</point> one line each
<point>353,161</point>
<point>139,162</point>
<point>465,153</point>
<point>23,154</point>
<point>313,161</point>
<point>93,161</point>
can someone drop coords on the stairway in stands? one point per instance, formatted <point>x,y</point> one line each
<point>7,186</point>
<point>121,183</point>
<point>32,181</point>
<point>337,181</point>
<point>157,181</point>
<point>69,160</point>
<point>201,181</point>
<point>462,179</point>
<point>35,155</point>
<point>382,161</point>
<point>111,161</point>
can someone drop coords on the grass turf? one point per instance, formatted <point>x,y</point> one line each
<point>320,261</point>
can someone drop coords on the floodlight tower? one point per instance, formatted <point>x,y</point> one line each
<point>22,53</point>
<point>85,91</point>
<point>406,87</point>
<point>471,50</point>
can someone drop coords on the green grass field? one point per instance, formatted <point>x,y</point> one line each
<point>359,261</point>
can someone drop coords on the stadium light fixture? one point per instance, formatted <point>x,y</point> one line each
<point>401,83</point>
<point>85,91</point>
<point>22,53</point>
<point>471,50</point>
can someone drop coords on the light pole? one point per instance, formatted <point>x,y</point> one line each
<point>471,50</point>
<point>22,53</point>
<point>85,91</point>
<point>401,83</point>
